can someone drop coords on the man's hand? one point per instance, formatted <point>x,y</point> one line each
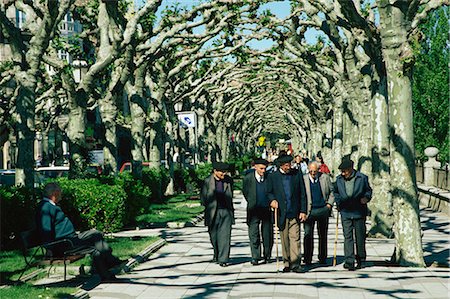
<point>329,206</point>
<point>302,217</point>
<point>274,204</point>
<point>364,200</point>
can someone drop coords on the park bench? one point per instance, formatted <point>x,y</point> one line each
<point>32,246</point>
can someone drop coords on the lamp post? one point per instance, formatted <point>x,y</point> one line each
<point>79,69</point>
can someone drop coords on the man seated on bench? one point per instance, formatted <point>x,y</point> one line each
<point>54,225</point>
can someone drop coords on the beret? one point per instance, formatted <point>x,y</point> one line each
<point>261,161</point>
<point>221,166</point>
<point>346,163</point>
<point>284,159</point>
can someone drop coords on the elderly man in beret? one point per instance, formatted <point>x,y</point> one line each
<point>217,197</point>
<point>286,194</point>
<point>352,193</point>
<point>258,212</point>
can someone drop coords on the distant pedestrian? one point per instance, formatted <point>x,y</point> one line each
<point>259,218</point>
<point>352,192</point>
<point>323,168</point>
<point>320,199</point>
<point>286,194</point>
<point>217,197</point>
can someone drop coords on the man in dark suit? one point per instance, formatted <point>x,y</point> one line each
<point>286,192</point>
<point>258,212</point>
<point>53,225</point>
<point>352,193</point>
<point>320,199</point>
<point>217,197</point>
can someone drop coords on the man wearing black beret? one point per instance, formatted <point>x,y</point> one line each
<point>286,193</point>
<point>352,193</point>
<point>217,197</point>
<point>258,212</point>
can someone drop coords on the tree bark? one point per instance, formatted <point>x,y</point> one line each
<point>394,27</point>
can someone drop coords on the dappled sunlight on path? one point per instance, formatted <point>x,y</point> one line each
<point>183,269</point>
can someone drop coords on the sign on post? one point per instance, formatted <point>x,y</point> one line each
<point>186,119</point>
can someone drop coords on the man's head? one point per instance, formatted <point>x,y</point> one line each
<point>346,168</point>
<point>260,166</point>
<point>313,168</point>
<point>53,192</point>
<point>220,169</point>
<point>285,163</point>
<point>298,159</point>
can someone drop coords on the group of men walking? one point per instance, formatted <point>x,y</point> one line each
<point>288,197</point>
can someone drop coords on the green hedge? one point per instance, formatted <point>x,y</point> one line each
<point>91,204</point>
<point>157,179</point>
<point>138,196</point>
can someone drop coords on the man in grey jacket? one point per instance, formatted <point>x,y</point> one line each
<point>352,193</point>
<point>217,197</point>
<point>320,199</point>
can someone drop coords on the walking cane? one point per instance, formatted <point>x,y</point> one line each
<point>336,239</point>
<point>276,235</point>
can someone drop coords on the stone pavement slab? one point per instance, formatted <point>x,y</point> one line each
<point>183,269</point>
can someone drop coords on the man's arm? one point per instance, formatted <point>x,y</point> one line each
<point>271,199</point>
<point>367,191</point>
<point>245,187</point>
<point>204,192</point>
<point>330,199</point>
<point>302,197</point>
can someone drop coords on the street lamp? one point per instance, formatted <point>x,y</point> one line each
<point>79,70</point>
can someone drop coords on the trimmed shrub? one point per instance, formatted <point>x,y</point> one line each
<point>91,204</point>
<point>138,197</point>
<point>157,179</point>
<point>18,205</point>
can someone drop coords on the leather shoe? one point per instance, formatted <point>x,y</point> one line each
<point>286,269</point>
<point>254,262</point>
<point>223,264</point>
<point>349,267</point>
<point>265,261</point>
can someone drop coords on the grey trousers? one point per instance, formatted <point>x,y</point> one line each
<point>261,221</point>
<point>308,241</point>
<point>220,234</point>
<point>356,226</point>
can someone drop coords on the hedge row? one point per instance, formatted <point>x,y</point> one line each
<point>106,203</point>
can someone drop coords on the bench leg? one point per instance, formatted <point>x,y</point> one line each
<point>65,269</point>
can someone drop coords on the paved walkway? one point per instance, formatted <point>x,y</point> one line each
<point>182,269</point>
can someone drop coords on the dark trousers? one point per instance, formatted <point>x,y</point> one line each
<point>102,257</point>
<point>356,227</point>
<point>260,224</point>
<point>308,241</point>
<point>220,234</point>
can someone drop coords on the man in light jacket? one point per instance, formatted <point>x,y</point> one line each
<point>320,199</point>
